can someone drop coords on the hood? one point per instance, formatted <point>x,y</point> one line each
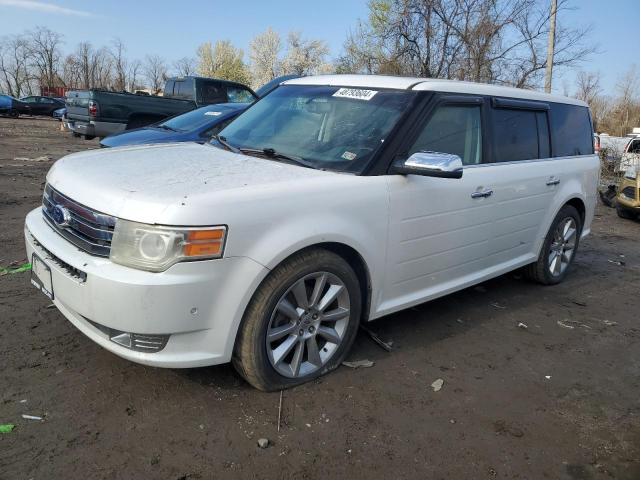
<point>173,184</point>
<point>147,135</point>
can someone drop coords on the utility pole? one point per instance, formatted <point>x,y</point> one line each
<point>551,46</point>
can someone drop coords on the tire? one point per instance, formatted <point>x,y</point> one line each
<point>625,212</point>
<point>89,137</point>
<point>264,364</point>
<point>546,270</point>
<point>14,113</point>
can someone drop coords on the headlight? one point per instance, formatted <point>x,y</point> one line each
<point>156,248</point>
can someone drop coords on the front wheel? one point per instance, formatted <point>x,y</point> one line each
<point>300,323</point>
<point>559,248</point>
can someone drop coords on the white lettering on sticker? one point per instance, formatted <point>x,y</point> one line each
<point>348,156</point>
<point>356,93</point>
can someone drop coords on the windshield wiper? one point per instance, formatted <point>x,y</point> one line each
<point>167,127</point>
<point>271,153</point>
<point>223,141</point>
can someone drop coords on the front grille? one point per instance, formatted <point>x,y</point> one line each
<point>87,229</point>
<point>72,271</point>
<point>629,192</point>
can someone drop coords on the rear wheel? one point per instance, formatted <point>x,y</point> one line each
<point>625,212</point>
<point>559,248</point>
<point>14,113</point>
<point>300,323</point>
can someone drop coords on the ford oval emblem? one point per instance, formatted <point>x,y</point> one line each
<point>61,216</point>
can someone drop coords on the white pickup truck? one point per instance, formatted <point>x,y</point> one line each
<point>332,201</point>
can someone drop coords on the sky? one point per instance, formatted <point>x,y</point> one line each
<point>174,29</point>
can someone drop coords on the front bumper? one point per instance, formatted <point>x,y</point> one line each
<point>198,304</point>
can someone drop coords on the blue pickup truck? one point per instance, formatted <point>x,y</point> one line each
<point>99,113</point>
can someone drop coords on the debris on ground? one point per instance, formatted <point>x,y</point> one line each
<point>609,323</point>
<point>564,325</point>
<point>7,427</point>
<point>388,346</point>
<point>43,158</point>
<point>522,325</point>
<point>31,417</point>
<point>358,364</point>
<point>279,410</point>
<point>497,305</point>
<point>608,197</point>
<point>437,385</point>
<point>548,377</point>
<point>22,268</point>
<point>263,442</point>
<point>617,262</point>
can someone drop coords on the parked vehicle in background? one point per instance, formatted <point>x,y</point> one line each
<point>333,200</point>
<point>631,156</point>
<point>42,106</point>
<point>268,87</point>
<point>99,113</point>
<point>12,106</point>
<point>628,199</point>
<point>59,113</point>
<point>195,126</point>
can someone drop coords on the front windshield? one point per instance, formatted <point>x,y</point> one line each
<point>327,127</point>
<point>195,119</point>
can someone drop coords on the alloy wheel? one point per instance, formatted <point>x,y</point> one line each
<point>562,246</point>
<point>308,324</point>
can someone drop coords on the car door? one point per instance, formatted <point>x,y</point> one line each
<point>440,228</point>
<point>523,177</point>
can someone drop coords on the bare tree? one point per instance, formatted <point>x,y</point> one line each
<point>264,52</point>
<point>134,70</point>
<point>304,57</point>
<point>588,85</point>
<point>120,64</point>
<point>45,53</point>
<point>501,41</point>
<point>185,66</point>
<point>155,71</point>
<point>14,65</point>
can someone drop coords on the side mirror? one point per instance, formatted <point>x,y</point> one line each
<point>430,164</point>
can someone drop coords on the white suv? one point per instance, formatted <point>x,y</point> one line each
<point>332,201</point>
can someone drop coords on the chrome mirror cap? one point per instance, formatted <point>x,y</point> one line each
<point>431,164</point>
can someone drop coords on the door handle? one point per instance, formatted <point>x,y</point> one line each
<point>482,193</point>
<point>553,181</point>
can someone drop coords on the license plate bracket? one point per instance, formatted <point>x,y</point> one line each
<point>41,276</point>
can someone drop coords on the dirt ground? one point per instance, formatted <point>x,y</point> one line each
<point>559,399</point>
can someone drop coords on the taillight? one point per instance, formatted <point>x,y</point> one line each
<point>93,108</point>
<point>596,144</point>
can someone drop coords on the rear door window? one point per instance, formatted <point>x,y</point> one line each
<point>515,135</point>
<point>453,129</point>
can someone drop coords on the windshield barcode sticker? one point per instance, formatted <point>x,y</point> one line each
<point>356,93</point>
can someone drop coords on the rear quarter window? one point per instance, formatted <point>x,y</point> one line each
<point>571,130</point>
